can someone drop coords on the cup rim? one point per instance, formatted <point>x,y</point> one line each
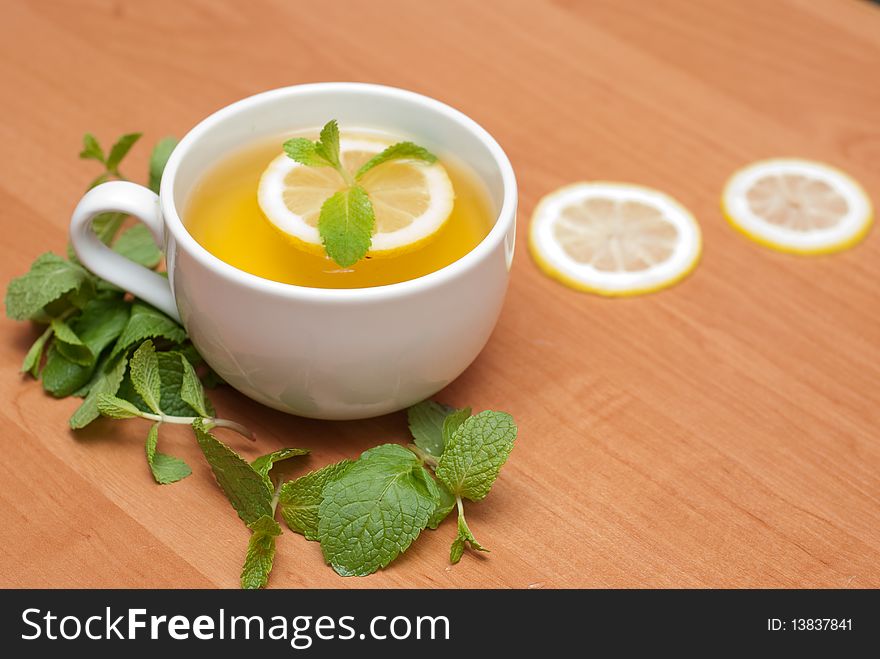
<point>505,216</point>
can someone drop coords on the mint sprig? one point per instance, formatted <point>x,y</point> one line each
<point>476,450</point>
<point>83,314</point>
<point>347,220</point>
<point>92,151</point>
<point>249,488</point>
<point>466,453</point>
<point>166,404</point>
<point>161,390</point>
<point>244,487</point>
<point>367,512</point>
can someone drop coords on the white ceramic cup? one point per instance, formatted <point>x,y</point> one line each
<point>321,353</point>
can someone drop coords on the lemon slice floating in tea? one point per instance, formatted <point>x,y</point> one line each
<point>614,239</point>
<point>797,206</point>
<point>411,199</point>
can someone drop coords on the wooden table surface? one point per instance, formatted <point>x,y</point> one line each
<point>723,433</point>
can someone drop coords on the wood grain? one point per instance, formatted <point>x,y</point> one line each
<point>723,433</point>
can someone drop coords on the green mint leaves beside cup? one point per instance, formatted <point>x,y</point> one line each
<point>128,360</point>
<point>301,498</point>
<point>474,453</point>
<point>367,512</point>
<point>123,357</point>
<point>374,511</point>
<point>250,490</point>
<point>347,221</point>
<point>90,326</point>
<point>166,389</point>
<point>466,453</point>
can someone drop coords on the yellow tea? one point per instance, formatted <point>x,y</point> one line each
<point>224,216</point>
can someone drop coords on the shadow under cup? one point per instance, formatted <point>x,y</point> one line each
<point>339,353</point>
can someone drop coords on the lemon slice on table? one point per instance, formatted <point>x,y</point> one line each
<point>614,239</point>
<point>411,199</point>
<point>797,206</point>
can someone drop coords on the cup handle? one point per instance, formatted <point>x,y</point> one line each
<point>143,204</point>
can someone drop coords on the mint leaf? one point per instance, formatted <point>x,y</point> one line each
<point>120,150</point>
<point>49,278</point>
<point>457,550</point>
<point>304,152</point>
<point>171,377</point>
<point>475,453</point>
<point>69,344</point>
<point>116,408</point>
<point>476,449</point>
<point>191,390</point>
<point>144,368</point>
<point>299,499</point>
<point>260,553</point>
<point>172,374</point>
<point>327,146</point>
<point>188,350</point>
<point>464,538</point>
<point>346,225</point>
<point>244,487</point>
<point>101,322</point>
<point>105,381</point>
<point>158,159</point>
<point>147,322</point>
<point>166,468</point>
<point>107,225</point>
<point>432,424</point>
<point>91,149</point>
<point>444,507</point>
<point>62,377</point>
<point>426,425</point>
<point>399,151</point>
<point>138,245</point>
<point>83,391</point>
<point>263,465</point>
<point>78,298</point>
<point>34,356</point>
<point>374,511</point>
<point>452,421</point>
<point>211,380</point>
